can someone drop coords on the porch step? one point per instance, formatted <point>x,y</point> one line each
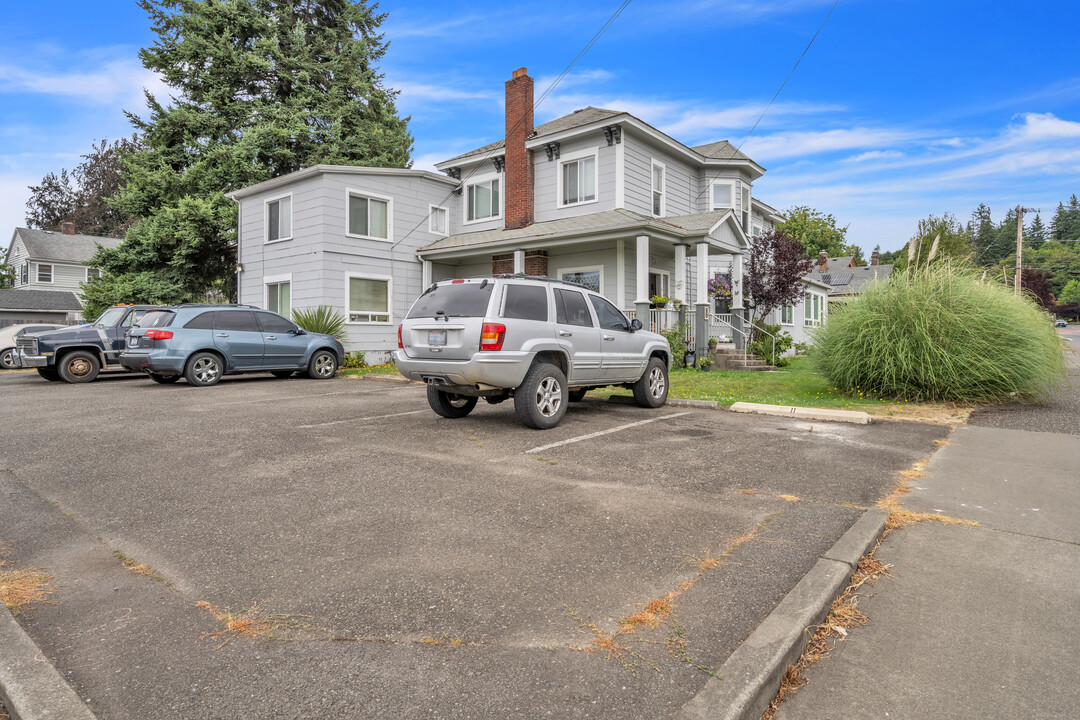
<point>732,359</point>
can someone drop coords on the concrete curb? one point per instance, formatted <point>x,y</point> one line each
<point>703,404</point>
<point>31,687</point>
<point>750,678</point>
<point>851,416</point>
<point>380,377</point>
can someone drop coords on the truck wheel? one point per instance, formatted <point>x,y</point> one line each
<point>7,360</point>
<point>540,400</point>
<point>323,365</point>
<point>450,405</point>
<point>164,379</point>
<point>652,387</point>
<point>204,369</point>
<point>49,374</point>
<point>79,366</point>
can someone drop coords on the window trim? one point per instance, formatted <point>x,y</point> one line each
<point>88,269</point>
<point>479,179</point>
<point>52,273</point>
<point>24,273</point>
<point>663,190</point>
<point>584,268</point>
<point>567,158</point>
<point>349,192</point>
<point>389,299</point>
<point>431,214</point>
<point>732,183</point>
<point>277,280</point>
<point>266,218</point>
<point>790,307</point>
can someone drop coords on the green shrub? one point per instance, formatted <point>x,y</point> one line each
<point>322,319</point>
<point>940,333</point>
<point>354,360</point>
<point>676,337</point>
<point>763,345</point>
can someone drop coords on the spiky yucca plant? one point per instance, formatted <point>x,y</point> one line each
<point>322,319</point>
<point>940,332</point>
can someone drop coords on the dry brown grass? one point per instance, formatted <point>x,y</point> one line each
<point>137,567</point>
<point>901,517</point>
<point>24,588</point>
<point>790,498</point>
<point>250,623</point>
<point>749,492</point>
<point>934,413</point>
<point>3,711</point>
<point>447,640</point>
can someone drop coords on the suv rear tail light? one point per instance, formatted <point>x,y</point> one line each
<point>400,346</point>
<point>158,334</point>
<point>492,336</point>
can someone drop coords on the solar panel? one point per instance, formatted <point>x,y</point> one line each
<point>836,279</point>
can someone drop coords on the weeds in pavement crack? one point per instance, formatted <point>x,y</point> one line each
<point>23,589</point>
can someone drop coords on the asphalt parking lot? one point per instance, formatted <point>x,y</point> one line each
<point>419,567</point>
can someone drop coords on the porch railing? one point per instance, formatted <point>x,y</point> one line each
<point>663,320</point>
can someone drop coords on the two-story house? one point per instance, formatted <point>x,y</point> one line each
<point>597,197</point>
<point>49,267</point>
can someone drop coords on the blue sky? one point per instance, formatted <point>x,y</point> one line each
<point>901,108</point>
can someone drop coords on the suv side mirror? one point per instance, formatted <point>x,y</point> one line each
<point>300,331</point>
<point>635,325</point>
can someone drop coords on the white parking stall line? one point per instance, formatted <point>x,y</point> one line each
<point>360,420</point>
<point>590,436</point>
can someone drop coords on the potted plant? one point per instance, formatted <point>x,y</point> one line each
<point>659,301</point>
<point>712,343</point>
<point>704,363</point>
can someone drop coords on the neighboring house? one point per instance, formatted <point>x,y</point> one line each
<point>597,197</point>
<point>49,266</point>
<point>847,279</point>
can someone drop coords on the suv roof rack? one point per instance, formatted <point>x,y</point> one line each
<point>217,305</point>
<point>545,278</point>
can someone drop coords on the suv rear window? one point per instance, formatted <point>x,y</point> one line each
<point>156,318</point>
<point>457,300</point>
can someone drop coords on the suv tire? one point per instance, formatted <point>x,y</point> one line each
<point>541,399</point>
<point>204,369</point>
<point>449,405</point>
<point>323,365</point>
<point>49,374</point>
<point>79,366</point>
<point>651,389</point>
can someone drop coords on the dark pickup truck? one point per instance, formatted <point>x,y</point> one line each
<point>77,354</point>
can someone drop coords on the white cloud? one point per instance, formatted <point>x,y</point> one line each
<point>874,155</point>
<point>1046,126</point>
<point>113,82</point>
<point>802,143</point>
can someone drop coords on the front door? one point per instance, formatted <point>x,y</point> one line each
<point>576,331</point>
<point>237,335</point>
<point>622,358</point>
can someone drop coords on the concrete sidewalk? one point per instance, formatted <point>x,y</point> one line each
<point>978,622</point>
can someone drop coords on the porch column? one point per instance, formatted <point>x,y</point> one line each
<point>641,302</point>
<point>680,272</point>
<point>519,262</point>
<point>737,309</point>
<point>425,275</point>
<point>620,273</point>
<point>701,332</point>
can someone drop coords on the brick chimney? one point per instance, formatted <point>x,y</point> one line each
<point>519,161</point>
<point>875,257</point>
<point>67,228</point>
<point>823,262</point>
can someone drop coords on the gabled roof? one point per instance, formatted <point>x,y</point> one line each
<point>575,119</point>
<point>837,263</point>
<point>307,172</point>
<point>609,221</point>
<point>722,150</point>
<point>54,300</point>
<point>852,280</point>
<point>49,245</point>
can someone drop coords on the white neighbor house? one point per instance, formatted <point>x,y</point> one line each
<point>597,197</point>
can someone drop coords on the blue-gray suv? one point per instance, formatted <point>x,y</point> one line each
<point>200,343</point>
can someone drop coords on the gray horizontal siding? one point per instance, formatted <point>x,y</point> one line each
<point>546,179</point>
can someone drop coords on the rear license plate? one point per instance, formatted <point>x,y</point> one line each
<point>436,337</point>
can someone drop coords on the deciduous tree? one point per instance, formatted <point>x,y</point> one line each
<point>952,242</point>
<point>817,232</point>
<point>774,273</point>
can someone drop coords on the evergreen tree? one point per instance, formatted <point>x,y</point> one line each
<point>952,238</point>
<point>983,235</point>
<point>1036,235</point>
<point>259,88</point>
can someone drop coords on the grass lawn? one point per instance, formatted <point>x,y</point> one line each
<point>387,369</point>
<point>796,384</point>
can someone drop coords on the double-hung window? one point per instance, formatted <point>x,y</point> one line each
<point>92,274</point>
<point>787,314</point>
<point>368,299</point>
<point>279,219</point>
<point>44,273</point>
<point>279,297</point>
<point>722,195</point>
<point>812,309</point>
<point>482,201</point>
<point>369,217</point>
<point>578,179</point>
<point>658,179</point>
<point>24,274</point>
<point>439,221</point>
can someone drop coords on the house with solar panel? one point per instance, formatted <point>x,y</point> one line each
<point>846,279</point>
<point>49,267</point>
<point>597,197</point>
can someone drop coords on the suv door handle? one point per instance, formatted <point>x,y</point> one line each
<point>564,333</point>
<point>609,337</point>
<point>271,337</point>
<point>223,334</point>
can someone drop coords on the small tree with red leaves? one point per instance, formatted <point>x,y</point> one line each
<point>1037,283</point>
<point>774,273</point>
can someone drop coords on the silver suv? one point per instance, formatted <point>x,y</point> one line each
<point>541,341</point>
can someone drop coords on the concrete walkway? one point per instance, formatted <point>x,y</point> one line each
<point>978,622</point>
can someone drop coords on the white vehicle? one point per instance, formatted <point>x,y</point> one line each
<point>8,338</point>
<point>541,341</point>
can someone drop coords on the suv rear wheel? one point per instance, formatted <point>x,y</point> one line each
<point>540,400</point>
<point>449,405</point>
<point>652,387</point>
<point>78,367</point>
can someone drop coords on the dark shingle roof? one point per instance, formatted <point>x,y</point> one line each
<point>48,245</point>
<point>38,300</point>
<point>860,277</point>
<point>722,150</point>
<point>566,122</point>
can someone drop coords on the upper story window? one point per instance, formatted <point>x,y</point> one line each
<point>279,219</point>
<point>482,200</point>
<point>722,195</point>
<point>369,216</point>
<point>577,180</point>
<point>44,273</point>
<point>24,273</point>
<point>658,180</point>
<point>92,274</point>
<point>439,221</point>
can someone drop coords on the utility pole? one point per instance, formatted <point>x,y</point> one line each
<point>1020,210</point>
